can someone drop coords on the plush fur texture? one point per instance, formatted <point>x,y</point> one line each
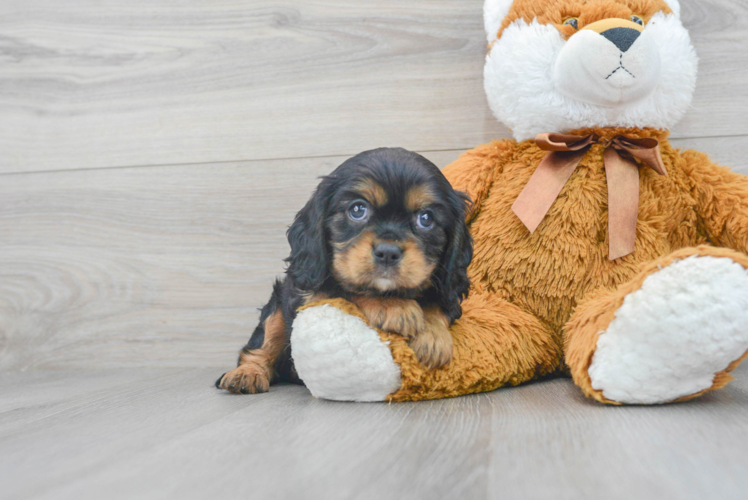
<point>363,368</point>
<point>665,347</point>
<point>669,337</point>
<point>551,301</point>
<point>494,12</point>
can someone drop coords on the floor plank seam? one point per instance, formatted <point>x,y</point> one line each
<point>295,158</point>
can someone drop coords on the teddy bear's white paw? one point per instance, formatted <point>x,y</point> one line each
<point>686,323</point>
<point>340,357</point>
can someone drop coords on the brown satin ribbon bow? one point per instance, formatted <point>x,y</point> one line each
<point>621,170</point>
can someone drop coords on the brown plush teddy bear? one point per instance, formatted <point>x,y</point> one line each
<point>600,250</point>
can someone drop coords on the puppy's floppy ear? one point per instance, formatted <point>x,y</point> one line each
<point>307,264</point>
<point>452,280</point>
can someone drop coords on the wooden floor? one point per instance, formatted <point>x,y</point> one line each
<point>152,153</point>
<point>166,433</point>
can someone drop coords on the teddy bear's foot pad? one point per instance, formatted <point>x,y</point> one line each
<point>340,357</point>
<point>687,323</point>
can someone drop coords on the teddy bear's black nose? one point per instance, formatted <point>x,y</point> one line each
<point>623,38</point>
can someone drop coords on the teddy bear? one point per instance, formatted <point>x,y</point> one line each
<point>600,251</point>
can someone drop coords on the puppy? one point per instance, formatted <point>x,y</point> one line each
<point>385,231</point>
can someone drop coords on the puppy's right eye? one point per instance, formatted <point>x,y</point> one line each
<point>358,211</point>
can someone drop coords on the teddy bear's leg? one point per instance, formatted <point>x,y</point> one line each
<point>672,333</point>
<point>340,357</point>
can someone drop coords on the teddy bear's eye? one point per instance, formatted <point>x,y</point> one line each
<point>573,22</point>
<point>638,20</point>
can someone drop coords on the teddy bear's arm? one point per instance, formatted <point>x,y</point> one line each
<point>474,171</point>
<point>722,200</point>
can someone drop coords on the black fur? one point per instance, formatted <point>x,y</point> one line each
<point>308,262</point>
<point>323,221</point>
<point>451,278</point>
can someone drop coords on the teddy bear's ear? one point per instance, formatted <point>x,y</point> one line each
<point>674,6</point>
<point>494,12</point>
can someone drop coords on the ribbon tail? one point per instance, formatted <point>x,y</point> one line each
<point>536,199</point>
<point>623,203</point>
<point>645,150</point>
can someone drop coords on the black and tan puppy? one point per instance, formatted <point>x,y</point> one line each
<point>386,231</point>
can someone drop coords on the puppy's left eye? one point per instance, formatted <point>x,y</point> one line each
<point>425,220</point>
<point>358,211</point>
<point>638,20</point>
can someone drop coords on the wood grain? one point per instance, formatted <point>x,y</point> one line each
<point>90,84</point>
<point>168,434</point>
<point>725,151</point>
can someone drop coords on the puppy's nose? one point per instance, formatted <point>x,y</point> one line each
<point>387,254</point>
<point>623,38</point>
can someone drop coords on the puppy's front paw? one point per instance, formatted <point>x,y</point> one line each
<point>401,316</point>
<point>407,321</point>
<point>433,345</point>
<point>249,378</point>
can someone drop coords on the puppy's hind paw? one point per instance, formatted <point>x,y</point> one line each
<point>246,379</point>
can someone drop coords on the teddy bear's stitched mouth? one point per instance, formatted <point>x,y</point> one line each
<point>624,69</point>
<point>620,66</point>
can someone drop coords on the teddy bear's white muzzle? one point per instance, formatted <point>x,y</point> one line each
<point>616,67</point>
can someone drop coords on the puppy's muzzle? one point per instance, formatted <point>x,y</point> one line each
<point>387,254</point>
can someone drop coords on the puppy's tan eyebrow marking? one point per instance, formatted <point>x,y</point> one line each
<point>419,196</point>
<point>373,192</point>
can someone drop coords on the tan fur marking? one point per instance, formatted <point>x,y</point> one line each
<point>419,197</point>
<point>401,316</point>
<point>255,370</point>
<point>355,265</point>
<point>433,346</point>
<point>415,269</point>
<point>373,192</point>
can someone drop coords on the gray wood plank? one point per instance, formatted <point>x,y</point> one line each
<point>725,151</point>
<point>158,266</point>
<point>89,84</point>
<point>168,434</point>
<point>719,31</point>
